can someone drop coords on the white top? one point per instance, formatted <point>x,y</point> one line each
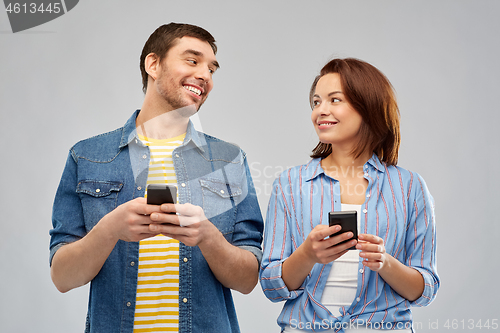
<point>342,282</point>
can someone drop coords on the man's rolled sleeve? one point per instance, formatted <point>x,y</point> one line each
<point>67,213</point>
<point>249,225</point>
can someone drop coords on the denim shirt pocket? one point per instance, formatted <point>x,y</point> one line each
<point>219,202</point>
<point>98,198</point>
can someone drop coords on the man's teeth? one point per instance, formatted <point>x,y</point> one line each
<point>193,89</point>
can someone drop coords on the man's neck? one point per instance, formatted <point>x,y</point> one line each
<point>158,123</point>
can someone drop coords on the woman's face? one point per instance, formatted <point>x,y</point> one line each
<point>334,119</point>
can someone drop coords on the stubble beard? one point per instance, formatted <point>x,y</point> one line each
<point>175,98</point>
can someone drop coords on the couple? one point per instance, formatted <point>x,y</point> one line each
<point>171,268</point>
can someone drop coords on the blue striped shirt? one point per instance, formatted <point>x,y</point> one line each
<point>398,208</point>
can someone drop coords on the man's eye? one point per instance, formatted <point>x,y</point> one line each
<point>211,70</point>
<point>192,61</point>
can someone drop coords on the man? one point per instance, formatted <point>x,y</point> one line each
<point>169,267</point>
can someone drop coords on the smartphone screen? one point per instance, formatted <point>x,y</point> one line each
<point>158,194</point>
<point>348,220</point>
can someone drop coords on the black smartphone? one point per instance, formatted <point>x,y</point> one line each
<point>158,194</point>
<point>348,220</point>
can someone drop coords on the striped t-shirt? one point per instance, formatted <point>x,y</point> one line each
<point>157,300</point>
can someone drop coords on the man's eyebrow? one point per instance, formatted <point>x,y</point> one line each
<point>199,54</point>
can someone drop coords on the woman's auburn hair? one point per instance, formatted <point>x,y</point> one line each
<point>371,94</point>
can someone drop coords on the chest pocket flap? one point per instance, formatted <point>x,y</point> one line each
<point>221,188</point>
<point>98,188</point>
<point>219,197</point>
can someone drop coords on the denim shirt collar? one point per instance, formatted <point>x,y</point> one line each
<point>314,169</point>
<point>130,133</point>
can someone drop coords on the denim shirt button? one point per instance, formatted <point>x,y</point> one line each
<point>97,190</point>
<point>132,263</point>
<point>184,300</point>
<point>185,259</point>
<point>144,156</point>
<point>183,184</point>
<point>139,188</point>
<point>176,155</point>
<point>129,304</point>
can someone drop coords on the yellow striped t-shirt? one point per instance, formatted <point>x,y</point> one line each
<point>157,301</point>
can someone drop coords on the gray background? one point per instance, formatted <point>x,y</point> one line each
<point>78,76</point>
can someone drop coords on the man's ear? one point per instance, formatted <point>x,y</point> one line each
<point>151,64</point>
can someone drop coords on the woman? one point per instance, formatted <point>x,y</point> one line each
<point>326,286</point>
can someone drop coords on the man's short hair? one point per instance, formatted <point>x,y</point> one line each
<point>165,37</point>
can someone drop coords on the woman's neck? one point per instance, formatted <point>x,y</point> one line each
<point>348,171</point>
<point>344,164</point>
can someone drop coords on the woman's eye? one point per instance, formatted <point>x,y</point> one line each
<point>335,100</point>
<point>315,103</point>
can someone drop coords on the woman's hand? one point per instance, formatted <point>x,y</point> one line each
<point>322,250</point>
<point>373,251</point>
<point>317,248</point>
<point>406,281</point>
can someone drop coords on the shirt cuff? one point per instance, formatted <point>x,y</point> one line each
<point>54,250</point>
<point>255,251</point>
<point>429,288</point>
<point>274,287</point>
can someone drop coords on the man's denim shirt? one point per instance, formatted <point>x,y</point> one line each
<point>108,170</point>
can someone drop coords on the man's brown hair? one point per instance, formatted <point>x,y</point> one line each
<point>371,94</point>
<point>165,37</point>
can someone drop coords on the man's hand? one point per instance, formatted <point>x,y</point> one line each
<point>130,221</point>
<point>77,263</point>
<point>235,268</point>
<point>185,222</point>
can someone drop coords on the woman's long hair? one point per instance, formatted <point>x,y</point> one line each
<point>371,94</point>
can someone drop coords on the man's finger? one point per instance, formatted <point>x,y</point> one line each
<point>164,218</point>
